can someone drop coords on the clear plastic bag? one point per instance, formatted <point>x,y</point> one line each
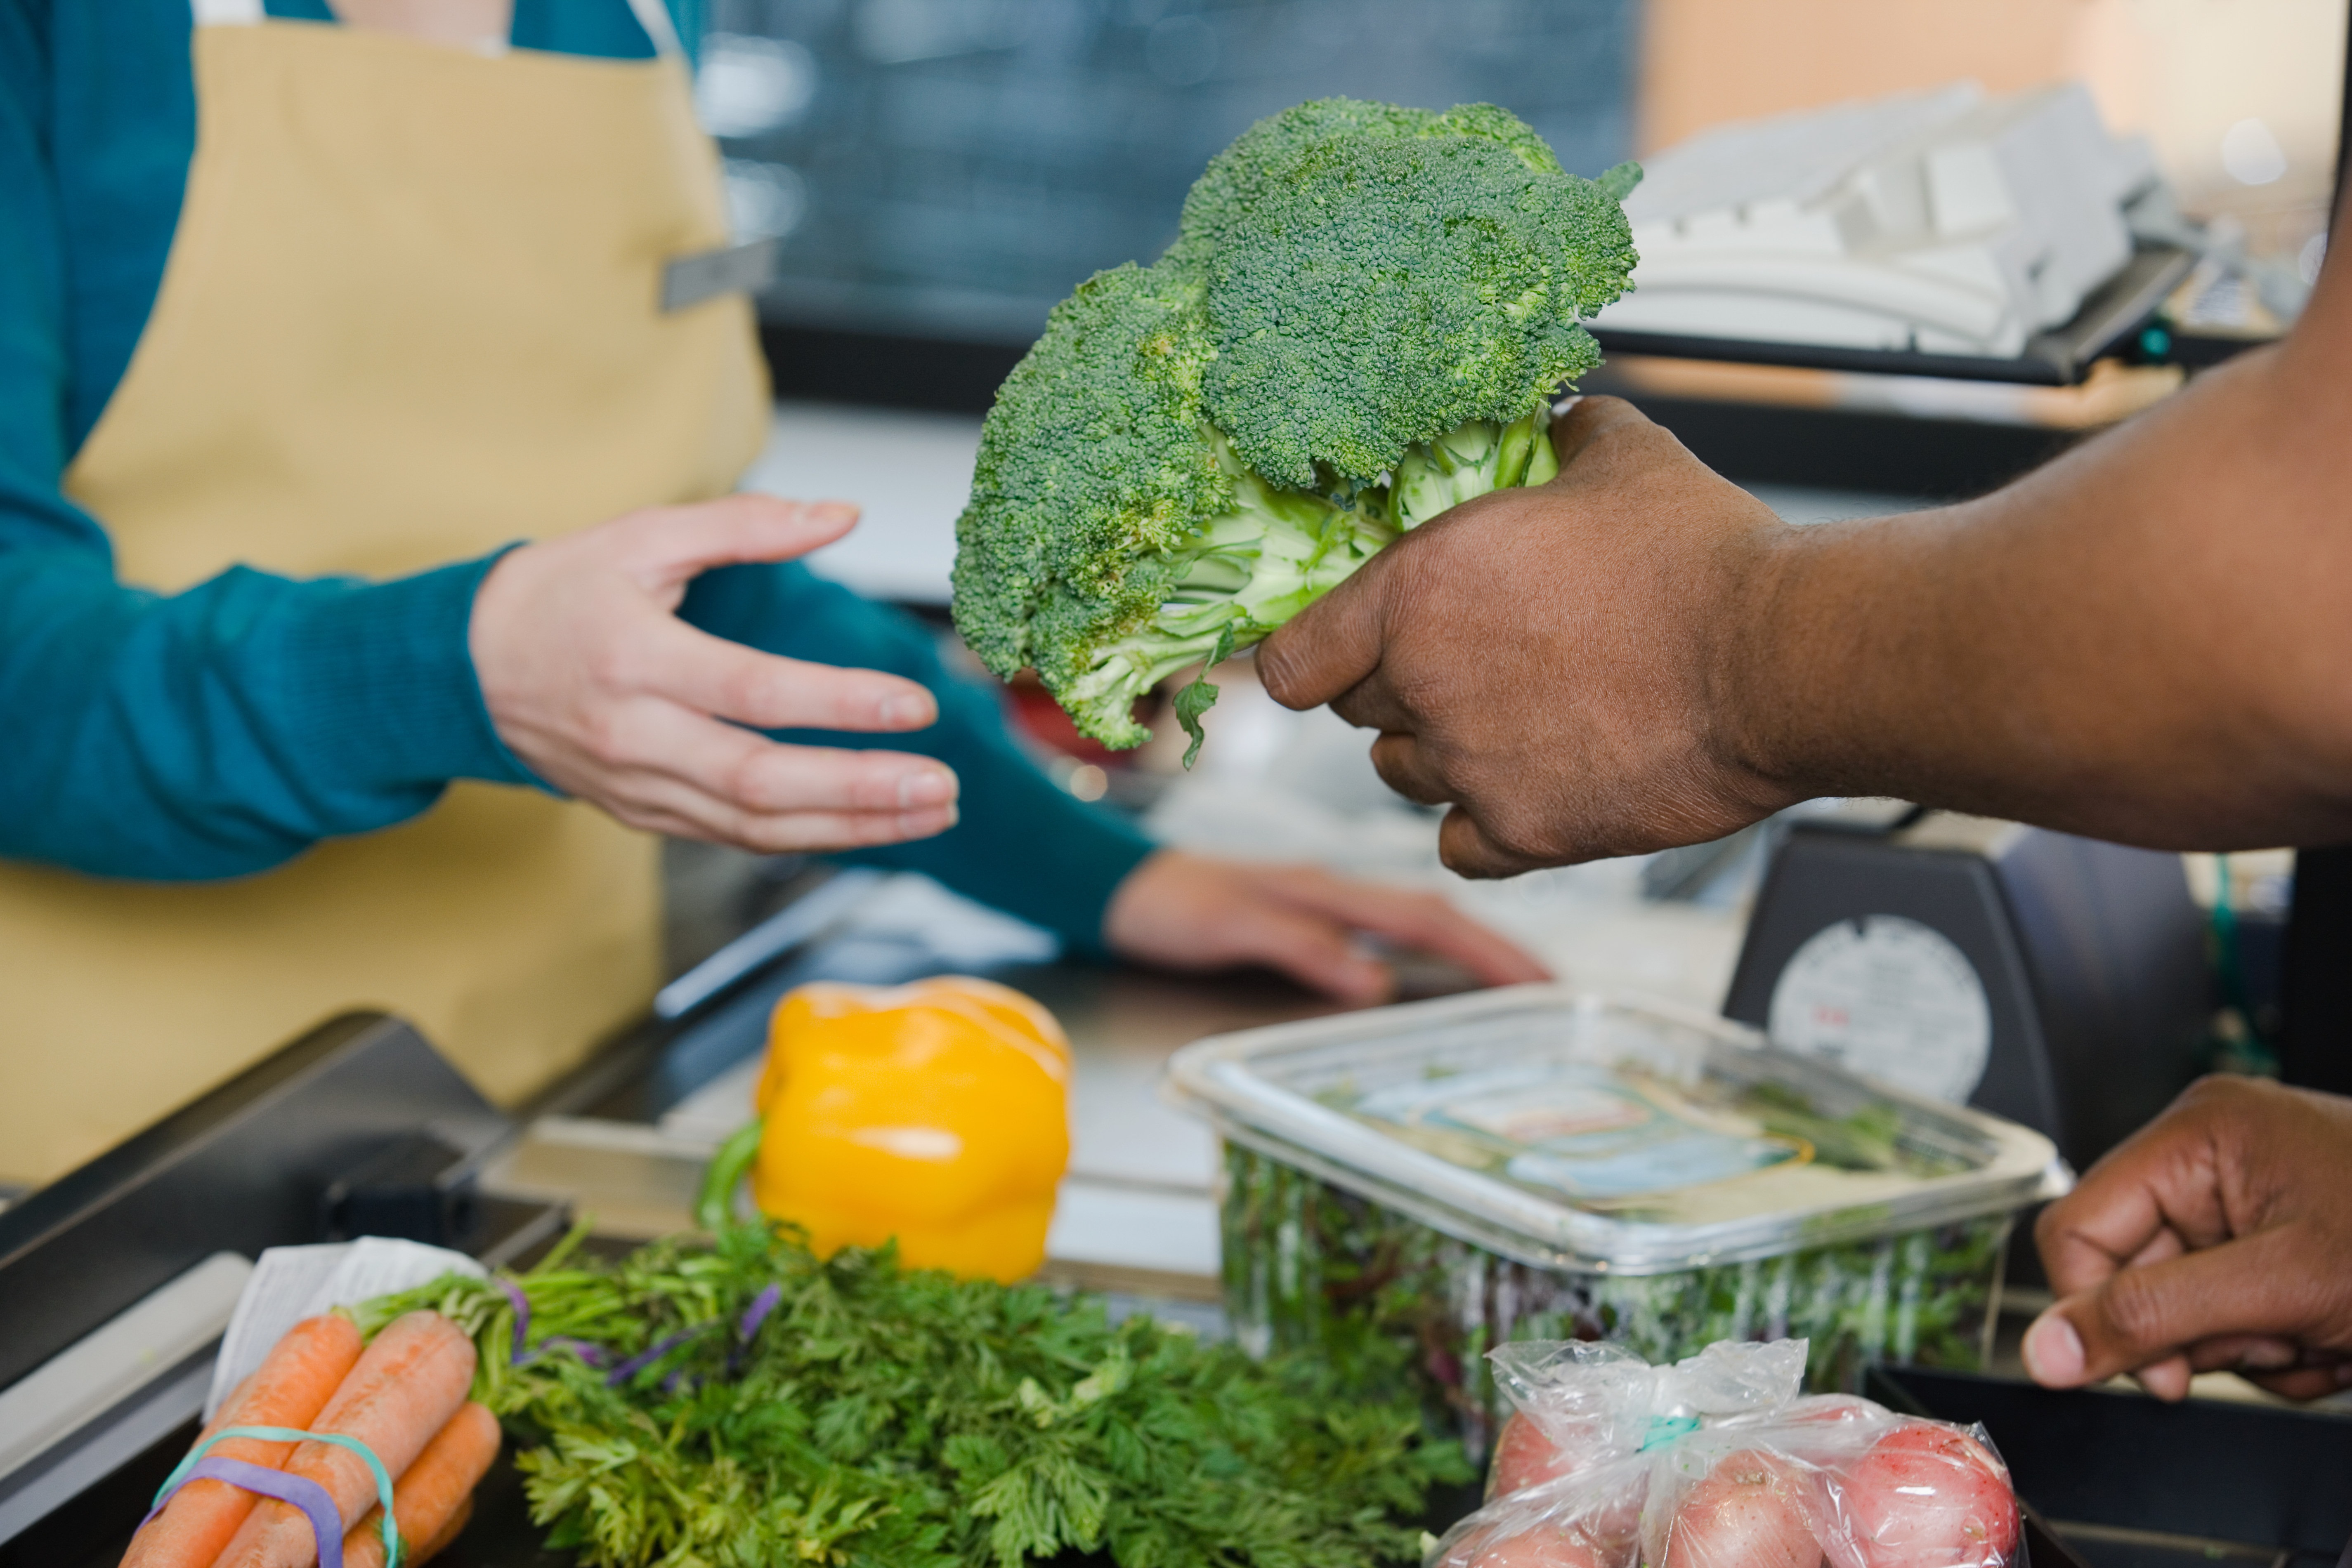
<point>1716,1462</point>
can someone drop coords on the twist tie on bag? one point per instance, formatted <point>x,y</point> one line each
<point>1665,1429</point>
<point>301,1491</point>
<point>1602,1399</point>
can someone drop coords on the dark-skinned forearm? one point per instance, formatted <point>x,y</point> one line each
<point>2148,639</point>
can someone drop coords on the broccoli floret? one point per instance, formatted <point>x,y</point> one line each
<point>1095,463</point>
<point>1262,157</point>
<point>1360,324</point>
<point>1373,290</point>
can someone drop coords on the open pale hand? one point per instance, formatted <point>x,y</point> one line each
<point>595,684</point>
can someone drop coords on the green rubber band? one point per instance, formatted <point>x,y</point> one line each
<point>288,1435</point>
<point>1665,1429</point>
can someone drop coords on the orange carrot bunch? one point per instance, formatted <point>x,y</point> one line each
<point>403,1397</point>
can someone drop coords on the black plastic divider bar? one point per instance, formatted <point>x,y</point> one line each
<point>245,1168</point>
<point>2204,1469</point>
<point>1854,449</point>
<point>2343,129</point>
<point>2315,998</point>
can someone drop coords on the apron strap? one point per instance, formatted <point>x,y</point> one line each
<point>653,15</point>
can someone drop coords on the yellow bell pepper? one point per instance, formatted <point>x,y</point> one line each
<point>936,1112</point>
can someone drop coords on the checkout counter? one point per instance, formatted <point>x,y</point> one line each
<point>117,1281</point>
<point>361,1128</point>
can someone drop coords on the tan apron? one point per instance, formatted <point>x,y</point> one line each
<point>410,313</point>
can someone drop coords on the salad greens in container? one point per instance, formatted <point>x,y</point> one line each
<point>1536,1164</point>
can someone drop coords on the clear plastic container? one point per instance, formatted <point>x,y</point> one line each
<point>1535,1164</point>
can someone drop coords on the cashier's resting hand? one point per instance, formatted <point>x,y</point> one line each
<point>1187,912</point>
<point>594,682</point>
<point>2219,1235</point>
<point>1551,660</point>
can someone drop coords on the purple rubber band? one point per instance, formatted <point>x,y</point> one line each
<point>592,1354</point>
<point>762,1305</point>
<point>765,1302</point>
<point>326,1519</point>
<point>523,1316</point>
<point>651,1353</point>
<point>753,1316</point>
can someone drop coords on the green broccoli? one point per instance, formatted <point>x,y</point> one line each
<point>1362,321</point>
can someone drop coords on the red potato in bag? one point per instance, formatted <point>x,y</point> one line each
<point>1526,1456</point>
<point>1926,1495</point>
<point>1539,1548</point>
<point>1755,1508</point>
<point>1590,1519</point>
<point>1717,1461</point>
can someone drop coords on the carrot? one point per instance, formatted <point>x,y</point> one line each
<point>437,1489</point>
<point>449,1532</point>
<point>404,1390</point>
<point>289,1388</point>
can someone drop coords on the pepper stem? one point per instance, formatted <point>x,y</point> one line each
<point>714,1207</point>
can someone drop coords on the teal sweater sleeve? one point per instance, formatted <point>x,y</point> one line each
<point>202,734</point>
<point>222,730</point>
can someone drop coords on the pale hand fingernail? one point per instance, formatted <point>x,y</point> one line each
<point>907,712</point>
<point>931,787</point>
<point>2054,1352</point>
<point>922,824</point>
<point>832,512</point>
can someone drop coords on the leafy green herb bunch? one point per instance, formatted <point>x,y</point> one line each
<point>726,1402</point>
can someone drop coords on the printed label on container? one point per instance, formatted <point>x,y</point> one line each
<point>1575,1129</point>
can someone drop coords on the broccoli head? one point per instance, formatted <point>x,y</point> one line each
<point>1361,323</point>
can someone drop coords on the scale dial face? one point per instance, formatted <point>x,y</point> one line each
<point>1890,998</point>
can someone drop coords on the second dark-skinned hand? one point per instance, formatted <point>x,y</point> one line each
<point>1556,661</point>
<point>2218,1236</point>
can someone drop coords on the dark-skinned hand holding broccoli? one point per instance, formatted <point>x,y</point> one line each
<point>1530,650</point>
<point>1362,323</point>
<point>2143,641</point>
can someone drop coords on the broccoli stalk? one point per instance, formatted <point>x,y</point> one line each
<point>1470,460</point>
<point>1361,324</point>
<point>1244,573</point>
<point>1250,568</point>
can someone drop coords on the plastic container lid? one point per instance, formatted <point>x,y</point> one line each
<point>1576,1132</point>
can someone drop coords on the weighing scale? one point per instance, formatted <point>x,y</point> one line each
<point>2059,981</point>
